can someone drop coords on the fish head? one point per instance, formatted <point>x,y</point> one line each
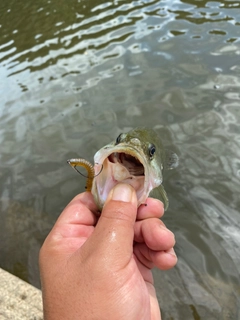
<point>135,158</point>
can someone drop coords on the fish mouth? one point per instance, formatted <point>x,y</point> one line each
<point>131,163</point>
<point>120,164</point>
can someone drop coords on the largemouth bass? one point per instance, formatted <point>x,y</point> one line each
<point>137,158</point>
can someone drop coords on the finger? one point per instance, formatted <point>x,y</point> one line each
<point>81,210</point>
<point>153,208</point>
<point>144,270</point>
<point>76,220</point>
<point>115,228</point>
<point>154,234</point>
<point>163,260</point>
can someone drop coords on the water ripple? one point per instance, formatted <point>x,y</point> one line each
<point>93,31</point>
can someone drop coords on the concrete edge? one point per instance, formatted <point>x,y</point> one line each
<point>18,299</point>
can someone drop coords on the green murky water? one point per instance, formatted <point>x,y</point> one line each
<point>73,75</point>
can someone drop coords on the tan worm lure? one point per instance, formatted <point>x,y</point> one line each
<point>74,163</point>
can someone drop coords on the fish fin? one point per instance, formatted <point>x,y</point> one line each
<point>171,160</point>
<point>160,193</point>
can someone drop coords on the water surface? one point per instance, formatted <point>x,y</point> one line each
<point>76,74</point>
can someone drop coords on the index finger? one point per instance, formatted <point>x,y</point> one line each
<point>81,210</point>
<point>153,208</point>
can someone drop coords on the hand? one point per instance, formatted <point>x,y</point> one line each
<point>101,268</point>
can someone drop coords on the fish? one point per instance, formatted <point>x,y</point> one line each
<point>137,158</point>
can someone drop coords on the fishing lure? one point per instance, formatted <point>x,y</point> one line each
<point>74,163</point>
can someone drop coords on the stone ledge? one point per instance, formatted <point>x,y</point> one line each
<point>18,299</point>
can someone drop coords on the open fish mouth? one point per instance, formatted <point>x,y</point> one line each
<point>131,163</point>
<point>120,164</point>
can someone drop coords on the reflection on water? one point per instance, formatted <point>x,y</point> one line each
<point>77,73</point>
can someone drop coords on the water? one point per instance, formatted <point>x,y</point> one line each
<point>74,75</point>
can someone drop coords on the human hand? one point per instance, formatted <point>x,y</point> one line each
<point>100,268</point>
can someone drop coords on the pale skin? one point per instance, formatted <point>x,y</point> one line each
<point>100,268</point>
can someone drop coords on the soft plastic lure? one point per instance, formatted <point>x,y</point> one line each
<point>74,163</point>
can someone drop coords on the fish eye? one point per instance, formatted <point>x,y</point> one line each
<point>152,150</point>
<point>118,140</point>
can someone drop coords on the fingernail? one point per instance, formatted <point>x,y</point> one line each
<point>122,192</point>
<point>171,252</point>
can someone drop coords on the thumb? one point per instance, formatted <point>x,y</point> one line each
<point>115,228</point>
